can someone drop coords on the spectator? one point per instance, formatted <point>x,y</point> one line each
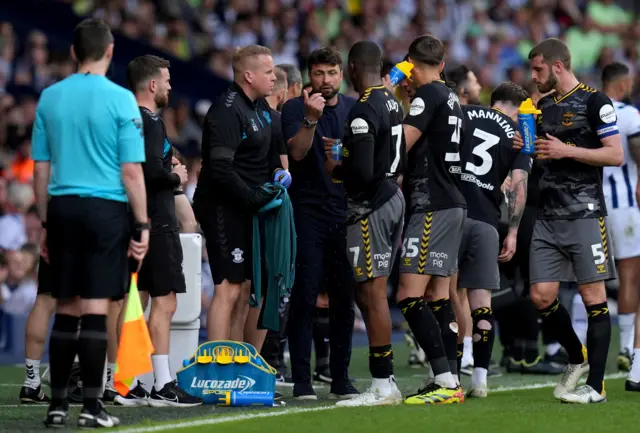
<point>13,234</point>
<point>19,290</point>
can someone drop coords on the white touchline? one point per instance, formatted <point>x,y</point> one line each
<point>290,411</point>
<point>293,411</point>
<point>226,418</point>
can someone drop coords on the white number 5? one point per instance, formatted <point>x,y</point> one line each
<point>410,247</point>
<point>598,254</point>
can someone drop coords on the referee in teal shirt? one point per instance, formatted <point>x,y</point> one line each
<point>87,146</point>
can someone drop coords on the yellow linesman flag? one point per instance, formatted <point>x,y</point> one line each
<point>135,347</point>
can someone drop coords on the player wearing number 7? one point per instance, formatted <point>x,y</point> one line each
<point>487,157</point>
<point>436,213</point>
<point>373,155</point>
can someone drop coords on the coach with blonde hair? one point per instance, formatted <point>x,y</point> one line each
<point>237,159</point>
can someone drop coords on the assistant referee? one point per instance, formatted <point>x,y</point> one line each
<point>87,148</point>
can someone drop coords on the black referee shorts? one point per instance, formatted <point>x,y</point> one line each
<point>87,240</point>
<point>44,278</point>
<point>161,271</point>
<point>228,232</point>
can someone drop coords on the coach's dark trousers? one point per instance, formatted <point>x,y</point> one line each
<point>321,263</point>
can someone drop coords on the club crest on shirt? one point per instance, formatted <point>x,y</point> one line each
<point>566,118</point>
<point>237,255</point>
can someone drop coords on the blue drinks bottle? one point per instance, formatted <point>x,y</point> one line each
<point>249,398</point>
<point>527,125</point>
<point>336,150</point>
<point>399,72</point>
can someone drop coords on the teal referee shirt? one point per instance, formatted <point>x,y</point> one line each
<point>87,126</point>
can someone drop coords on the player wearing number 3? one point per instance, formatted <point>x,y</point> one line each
<point>487,157</point>
<point>436,213</point>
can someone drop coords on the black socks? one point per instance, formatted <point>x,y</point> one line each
<point>446,317</point>
<point>482,338</point>
<point>381,362</point>
<point>92,351</point>
<point>598,340</point>
<point>63,345</point>
<point>426,330</point>
<point>556,322</point>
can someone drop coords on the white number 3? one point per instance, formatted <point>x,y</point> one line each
<point>598,255</point>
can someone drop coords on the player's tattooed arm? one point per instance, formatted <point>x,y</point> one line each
<point>517,197</point>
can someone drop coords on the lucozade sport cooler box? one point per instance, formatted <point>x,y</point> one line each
<point>220,367</point>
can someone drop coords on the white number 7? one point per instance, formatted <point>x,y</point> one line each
<point>396,131</point>
<point>356,254</point>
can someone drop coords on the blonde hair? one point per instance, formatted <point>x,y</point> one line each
<point>281,80</point>
<point>241,58</point>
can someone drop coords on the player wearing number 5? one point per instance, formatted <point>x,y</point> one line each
<point>436,213</point>
<point>577,135</point>
<point>487,157</point>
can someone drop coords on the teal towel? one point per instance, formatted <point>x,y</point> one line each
<point>280,256</point>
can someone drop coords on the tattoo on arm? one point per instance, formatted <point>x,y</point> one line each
<point>517,197</point>
<point>634,148</point>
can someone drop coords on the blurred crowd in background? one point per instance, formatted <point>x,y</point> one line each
<point>493,37</point>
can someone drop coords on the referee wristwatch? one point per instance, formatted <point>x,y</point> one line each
<point>310,123</point>
<point>139,227</point>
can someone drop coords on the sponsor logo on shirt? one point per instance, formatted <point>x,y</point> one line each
<point>417,107</point>
<point>359,126</point>
<point>608,113</point>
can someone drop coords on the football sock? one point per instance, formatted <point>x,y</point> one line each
<point>446,317</point>
<point>467,352</point>
<point>161,371</point>
<point>556,323</point>
<point>459,355</point>
<point>321,338</point>
<point>63,345</point>
<point>92,351</point>
<point>427,332</point>
<point>482,338</point>
<point>626,323</point>
<point>381,362</point>
<point>552,348</point>
<point>31,373</point>
<point>579,318</point>
<point>111,371</point>
<point>634,374</point>
<point>598,341</point>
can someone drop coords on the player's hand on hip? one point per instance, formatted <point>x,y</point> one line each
<point>44,251</point>
<point>283,177</point>
<point>508,247</point>
<point>518,142</point>
<point>550,148</point>
<point>313,105</point>
<point>181,171</point>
